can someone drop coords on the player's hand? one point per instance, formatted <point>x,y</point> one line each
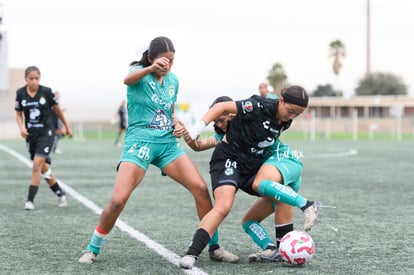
<point>24,133</point>
<point>196,130</point>
<point>179,129</point>
<point>160,64</point>
<point>69,132</point>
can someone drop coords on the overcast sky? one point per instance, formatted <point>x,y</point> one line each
<point>223,47</point>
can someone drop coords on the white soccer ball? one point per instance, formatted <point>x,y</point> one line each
<point>297,247</point>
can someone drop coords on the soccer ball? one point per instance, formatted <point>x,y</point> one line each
<point>297,247</point>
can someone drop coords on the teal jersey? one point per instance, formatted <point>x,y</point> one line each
<point>272,96</point>
<point>218,137</point>
<point>150,106</point>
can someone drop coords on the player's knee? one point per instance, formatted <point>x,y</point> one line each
<point>117,204</point>
<point>48,174</point>
<point>223,211</point>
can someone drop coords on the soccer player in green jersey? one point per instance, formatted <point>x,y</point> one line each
<point>151,93</point>
<point>249,141</point>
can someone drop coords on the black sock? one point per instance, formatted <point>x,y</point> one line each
<point>57,190</point>
<point>32,192</point>
<point>200,241</point>
<point>308,203</point>
<point>213,248</point>
<point>282,231</point>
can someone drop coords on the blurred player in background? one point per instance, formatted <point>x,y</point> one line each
<point>151,94</point>
<point>122,116</point>
<point>35,115</point>
<point>264,91</point>
<point>60,131</point>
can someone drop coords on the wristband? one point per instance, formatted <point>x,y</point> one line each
<point>196,130</point>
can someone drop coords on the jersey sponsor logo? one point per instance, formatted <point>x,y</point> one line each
<point>161,101</point>
<point>266,143</point>
<point>160,121</point>
<point>33,103</point>
<point>266,125</point>
<point>247,106</point>
<point>34,114</point>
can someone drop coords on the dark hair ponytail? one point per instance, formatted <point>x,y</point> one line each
<point>157,46</point>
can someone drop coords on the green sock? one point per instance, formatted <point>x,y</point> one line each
<point>281,193</point>
<point>258,233</point>
<point>214,239</point>
<point>96,242</point>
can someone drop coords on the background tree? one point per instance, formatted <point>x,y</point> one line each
<point>324,90</point>
<point>337,51</point>
<point>277,78</point>
<point>381,84</point>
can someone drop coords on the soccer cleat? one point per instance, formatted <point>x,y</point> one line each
<point>311,214</point>
<point>62,201</point>
<point>221,255</point>
<point>188,261</point>
<point>87,258</point>
<point>267,255</point>
<point>29,205</point>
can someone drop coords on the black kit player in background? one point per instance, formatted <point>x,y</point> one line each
<point>122,113</point>
<point>60,131</point>
<point>35,108</point>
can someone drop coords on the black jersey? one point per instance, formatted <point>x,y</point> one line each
<point>253,132</point>
<point>39,116</point>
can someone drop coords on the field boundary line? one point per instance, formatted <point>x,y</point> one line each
<point>158,248</point>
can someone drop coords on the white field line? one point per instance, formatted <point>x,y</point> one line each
<point>348,153</point>
<point>158,248</point>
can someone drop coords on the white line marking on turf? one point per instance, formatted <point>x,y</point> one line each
<point>158,248</point>
<point>333,228</point>
<point>348,153</point>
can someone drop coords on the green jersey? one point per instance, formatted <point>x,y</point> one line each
<point>150,106</point>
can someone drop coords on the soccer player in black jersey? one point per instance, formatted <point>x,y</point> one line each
<point>35,108</point>
<point>249,141</point>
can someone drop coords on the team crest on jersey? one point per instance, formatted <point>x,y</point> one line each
<point>160,121</point>
<point>229,171</point>
<point>42,100</point>
<point>171,91</point>
<point>247,106</point>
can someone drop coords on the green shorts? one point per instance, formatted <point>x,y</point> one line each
<point>287,161</point>
<point>145,153</point>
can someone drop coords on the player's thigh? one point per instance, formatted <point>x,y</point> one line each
<point>129,176</point>
<point>185,172</point>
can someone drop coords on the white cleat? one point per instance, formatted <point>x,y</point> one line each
<point>87,258</point>
<point>188,261</point>
<point>267,255</point>
<point>221,255</point>
<point>29,205</point>
<point>311,214</point>
<point>62,201</point>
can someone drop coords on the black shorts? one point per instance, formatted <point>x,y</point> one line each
<point>41,146</point>
<point>225,170</point>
